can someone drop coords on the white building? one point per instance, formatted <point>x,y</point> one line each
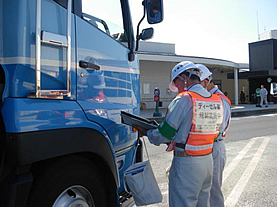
<point>157,60</point>
<point>272,34</point>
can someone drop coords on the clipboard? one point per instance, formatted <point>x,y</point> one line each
<point>137,121</point>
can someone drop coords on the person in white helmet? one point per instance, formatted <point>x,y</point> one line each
<point>191,124</point>
<point>219,150</point>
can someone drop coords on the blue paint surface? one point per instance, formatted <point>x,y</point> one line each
<point>97,97</point>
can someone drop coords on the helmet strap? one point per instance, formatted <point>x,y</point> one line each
<point>190,72</point>
<point>185,85</point>
<point>185,82</point>
<point>209,81</point>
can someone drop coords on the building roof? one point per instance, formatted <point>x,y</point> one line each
<point>165,52</point>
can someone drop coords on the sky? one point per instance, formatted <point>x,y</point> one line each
<point>218,29</point>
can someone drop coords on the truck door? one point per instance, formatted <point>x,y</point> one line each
<point>107,82</point>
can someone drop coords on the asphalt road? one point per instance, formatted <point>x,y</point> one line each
<point>242,128</point>
<point>250,177</point>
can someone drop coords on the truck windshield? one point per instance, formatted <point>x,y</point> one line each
<point>106,16</point>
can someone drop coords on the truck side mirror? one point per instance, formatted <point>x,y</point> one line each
<point>154,10</point>
<point>146,34</point>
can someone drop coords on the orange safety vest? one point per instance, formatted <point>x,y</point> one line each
<point>206,122</point>
<point>225,97</point>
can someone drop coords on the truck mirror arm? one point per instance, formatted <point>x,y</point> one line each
<point>138,36</point>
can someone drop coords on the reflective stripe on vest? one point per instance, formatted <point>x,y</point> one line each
<point>206,122</point>
<point>200,147</point>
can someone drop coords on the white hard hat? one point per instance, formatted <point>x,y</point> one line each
<point>180,68</point>
<point>206,73</point>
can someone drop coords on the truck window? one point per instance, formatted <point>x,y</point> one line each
<point>106,16</point>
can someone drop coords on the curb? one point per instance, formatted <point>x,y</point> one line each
<point>252,112</point>
<point>233,113</point>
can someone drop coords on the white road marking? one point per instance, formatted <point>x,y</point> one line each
<point>164,188</point>
<point>237,159</point>
<point>234,196</point>
<point>238,189</point>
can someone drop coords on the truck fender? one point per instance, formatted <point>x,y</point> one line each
<point>31,147</point>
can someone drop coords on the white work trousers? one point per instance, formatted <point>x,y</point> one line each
<point>190,181</point>
<point>219,160</point>
<point>264,98</point>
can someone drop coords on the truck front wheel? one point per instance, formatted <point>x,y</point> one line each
<point>67,182</point>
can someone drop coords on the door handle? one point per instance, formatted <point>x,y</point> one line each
<point>89,66</point>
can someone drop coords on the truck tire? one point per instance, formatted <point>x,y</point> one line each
<point>69,181</point>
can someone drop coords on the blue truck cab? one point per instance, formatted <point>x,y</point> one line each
<point>67,70</point>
